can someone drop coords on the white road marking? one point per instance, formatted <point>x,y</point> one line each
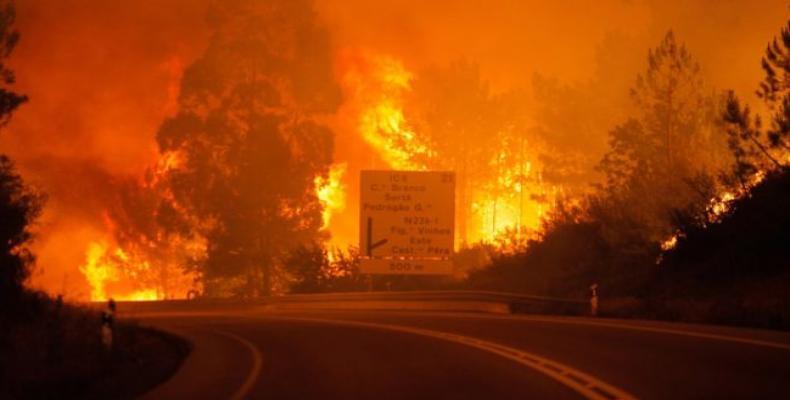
<point>712,336</point>
<point>567,320</point>
<point>584,384</point>
<point>633,327</point>
<point>608,324</point>
<point>255,371</point>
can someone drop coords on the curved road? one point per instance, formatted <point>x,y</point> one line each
<point>370,354</point>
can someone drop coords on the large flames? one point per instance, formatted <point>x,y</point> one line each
<point>102,269</point>
<point>719,206</point>
<point>143,267</point>
<point>137,275</point>
<point>509,202</point>
<point>377,84</point>
<point>379,67</point>
<point>507,206</point>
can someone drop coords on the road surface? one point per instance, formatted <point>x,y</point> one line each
<point>258,353</point>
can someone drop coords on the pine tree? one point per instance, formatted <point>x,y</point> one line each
<point>19,205</point>
<point>754,146</point>
<point>661,160</point>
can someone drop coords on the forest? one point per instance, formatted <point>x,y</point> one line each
<point>660,188</point>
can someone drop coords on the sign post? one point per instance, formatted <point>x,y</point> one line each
<point>407,222</point>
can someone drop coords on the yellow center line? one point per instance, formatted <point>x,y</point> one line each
<point>701,335</point>
<point>583,383</point>
<point>616,325</point>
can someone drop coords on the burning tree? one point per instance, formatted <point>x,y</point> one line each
<point>459,120</point>
<point>249,133</point>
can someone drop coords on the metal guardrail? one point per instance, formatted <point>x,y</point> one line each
<point>510,302</point>
<point>425,295</point>
<point>514,302</point>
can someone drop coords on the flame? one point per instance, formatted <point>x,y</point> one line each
<point>510,206</point>
<point>141,295</point>
<point>97,272</point>
<point>169,161</point>
<point>378,87</point>
<point>141,267</point>
<point>670,243</point>
<point>718,207</point>
<point>102,271</point>
<point>113,272</point>
<point>331,192</point>
<point>378,84</point>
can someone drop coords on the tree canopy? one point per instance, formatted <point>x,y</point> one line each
<point>249,138</point>
<point>19,205</point>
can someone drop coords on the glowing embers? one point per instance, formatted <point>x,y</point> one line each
<point>670,243</point>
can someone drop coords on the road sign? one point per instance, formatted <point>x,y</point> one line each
<point>407,215</point>
<point>406,266</point>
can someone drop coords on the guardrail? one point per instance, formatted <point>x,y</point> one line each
<point>459,300</point>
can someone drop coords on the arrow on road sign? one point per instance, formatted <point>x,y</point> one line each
<point>371,244</point>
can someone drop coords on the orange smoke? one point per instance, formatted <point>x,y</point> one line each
<point>91,119</point>
<point>376,85</point>
<point>377,88</point>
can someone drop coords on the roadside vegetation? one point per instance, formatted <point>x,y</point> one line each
<point>691,221</point>
<point>49,349</point>
<point>54,350</point>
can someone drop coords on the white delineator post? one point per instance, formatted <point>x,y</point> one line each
<point>107,322</point>
<point>594,299</point>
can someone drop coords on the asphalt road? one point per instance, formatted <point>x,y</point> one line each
<point>375,354</point>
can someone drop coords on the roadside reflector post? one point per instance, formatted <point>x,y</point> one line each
<point>594,299</point>
<point>107,324</point>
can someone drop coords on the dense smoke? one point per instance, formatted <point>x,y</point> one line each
<point>102,77</point>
